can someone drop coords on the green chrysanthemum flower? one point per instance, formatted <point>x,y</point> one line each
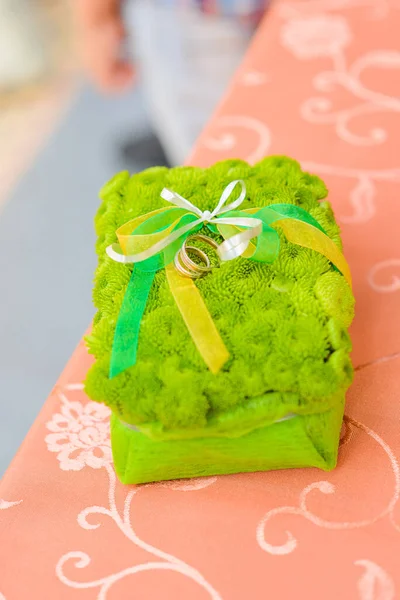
<point>284,324</point>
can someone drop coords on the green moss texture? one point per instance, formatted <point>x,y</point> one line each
<point>285,324</point>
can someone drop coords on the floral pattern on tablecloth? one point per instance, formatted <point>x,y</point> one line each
<point>319,83</point>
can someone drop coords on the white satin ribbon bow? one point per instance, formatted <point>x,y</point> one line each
<point>228,250</point>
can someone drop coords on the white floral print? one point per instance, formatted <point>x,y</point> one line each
<point>317,35</point>
<point>80,436</point>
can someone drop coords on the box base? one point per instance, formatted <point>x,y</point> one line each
<point>301,441</point>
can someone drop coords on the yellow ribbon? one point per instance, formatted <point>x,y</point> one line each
<point>198,320</point>
<point>304,234</point>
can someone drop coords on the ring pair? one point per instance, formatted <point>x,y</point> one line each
<point>186,266</point>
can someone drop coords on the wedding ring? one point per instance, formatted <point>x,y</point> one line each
<point>186,266</point>
<point>190,264</point>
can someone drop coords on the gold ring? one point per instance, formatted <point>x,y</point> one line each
<point>186,266</point>
<point>190,264</point>
<point>195,271</point>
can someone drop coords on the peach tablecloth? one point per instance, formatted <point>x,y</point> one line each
<point>321,83</point>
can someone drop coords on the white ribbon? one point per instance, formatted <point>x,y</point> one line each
<point>228,250</point>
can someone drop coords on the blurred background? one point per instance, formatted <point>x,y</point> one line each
<point>61,139</point>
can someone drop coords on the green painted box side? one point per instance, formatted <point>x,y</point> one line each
<point>300,441</point>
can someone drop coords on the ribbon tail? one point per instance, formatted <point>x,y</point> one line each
<point>126,336</point>
<point>305,234</point>
<point>198,320</point>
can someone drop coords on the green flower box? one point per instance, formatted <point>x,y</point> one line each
<point>278,402</point>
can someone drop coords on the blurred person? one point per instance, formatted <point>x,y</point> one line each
<point>186,51</point>
<point>102,31</point>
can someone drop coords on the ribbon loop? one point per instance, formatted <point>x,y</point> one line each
<point>219,210</point>
<point>180,201</point>
<point>236,245</point>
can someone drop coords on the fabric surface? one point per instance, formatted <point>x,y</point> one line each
<point>69,531</point>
